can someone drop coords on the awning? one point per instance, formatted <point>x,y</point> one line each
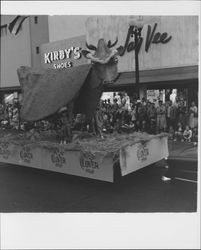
<point>158,75</point>
<point>11,89</point>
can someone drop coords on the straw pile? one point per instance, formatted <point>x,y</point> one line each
<point>109,144</point>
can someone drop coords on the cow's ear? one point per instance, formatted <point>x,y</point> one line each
<point>85,53</point>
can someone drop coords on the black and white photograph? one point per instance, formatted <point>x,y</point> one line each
<point>99,115</point>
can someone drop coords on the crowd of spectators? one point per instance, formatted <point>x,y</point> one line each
<point>10,115</point>
<point>120,114</point>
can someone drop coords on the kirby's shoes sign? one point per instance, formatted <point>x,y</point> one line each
<point>73,52</point>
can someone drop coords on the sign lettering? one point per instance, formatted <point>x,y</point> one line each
<point>57,157</point>
<point>88,163</point>
<point>71,53</point>
<point>151,38</point>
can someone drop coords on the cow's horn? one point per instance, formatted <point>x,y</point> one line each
<point>91,47</point>
<point>112,45</point>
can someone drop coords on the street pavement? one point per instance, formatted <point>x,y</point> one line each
<point>183,150</point>
<point>31,190</point>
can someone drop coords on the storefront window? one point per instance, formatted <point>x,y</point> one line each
<point>175,95</point>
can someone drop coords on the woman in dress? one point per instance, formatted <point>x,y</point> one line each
<point>182,113</point>
<point>133,113</point>
<point>193,116</point>
<point>161,117</point>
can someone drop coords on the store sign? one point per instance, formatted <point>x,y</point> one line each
<point>151,37</point>
<point>54,56</point>
<point>152,95</point>
<point>65,54</point>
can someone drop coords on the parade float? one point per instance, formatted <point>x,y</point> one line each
<point>79,88</point>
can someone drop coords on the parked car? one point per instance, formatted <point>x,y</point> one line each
<point>182,164</point>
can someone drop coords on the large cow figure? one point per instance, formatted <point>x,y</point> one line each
<point>80,88</point>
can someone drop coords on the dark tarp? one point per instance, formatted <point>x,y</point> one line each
<point>45,92</point>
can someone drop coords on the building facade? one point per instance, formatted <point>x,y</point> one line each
<point>24,48</point>
<point>168,54</point>
<point>168,51</point>
<point>21,49</point>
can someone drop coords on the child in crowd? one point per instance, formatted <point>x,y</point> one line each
<point>179,133</point>
<point>132,126</point>
<point>187,135</point>
<point>171,133</point>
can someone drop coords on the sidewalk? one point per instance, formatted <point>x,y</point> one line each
<point>183,150</point>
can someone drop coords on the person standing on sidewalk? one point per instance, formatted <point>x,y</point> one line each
<point>193,116</point>
<point>172,115</point>
<point>151,115</point>
<point>133,113</point>
<point>161,117</point>
<point>182,113</point>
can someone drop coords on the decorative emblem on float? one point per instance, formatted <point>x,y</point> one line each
<point>88,163</point>
<point>4,150</point>
<point>142,152</point>
<point>57,157</point>
<point>25,154</point>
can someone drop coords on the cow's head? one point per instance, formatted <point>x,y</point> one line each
<point>104,59</point>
